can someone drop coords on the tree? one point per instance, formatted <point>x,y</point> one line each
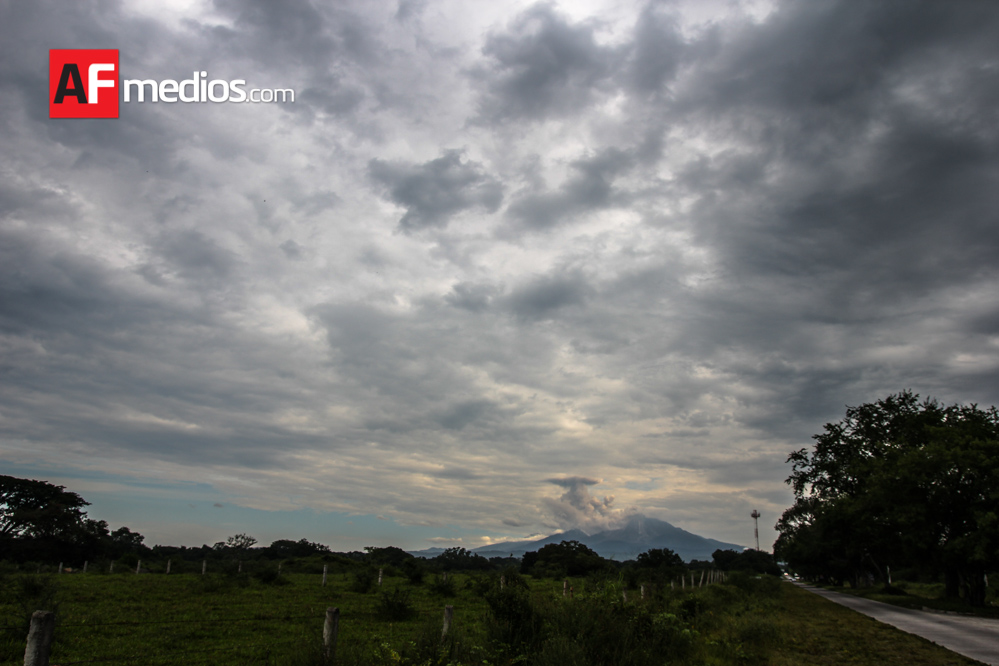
<point>459,559</point>
<point>38,509</point>
<point>898,482</point>
<point>568,558</point>
<point>658,558</point>
<point>756,561</point>
<point>240,542</point>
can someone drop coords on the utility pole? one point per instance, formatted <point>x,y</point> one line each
<point>756,527</point>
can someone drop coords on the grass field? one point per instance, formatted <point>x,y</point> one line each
<point>237,619</point>
<point>924,595</point>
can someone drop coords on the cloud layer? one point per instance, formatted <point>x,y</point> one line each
<point>488,248</point>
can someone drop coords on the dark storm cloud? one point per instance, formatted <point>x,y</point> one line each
<point>435,191</point>
<point>472,297</point>
<point>542,65</point>
<point>667,251</point>
<point>657,51</point>
<point>545,296</point>
<point>196,256</point>
<point>590,188</point>
<point>851,152</point>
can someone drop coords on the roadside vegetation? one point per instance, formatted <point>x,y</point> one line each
<point>898,485</point>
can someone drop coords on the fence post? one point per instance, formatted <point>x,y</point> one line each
<point>701,584</point>
<point>168,567</point>
<point>85,566</point>
<point>330,630</point>
<point>379,577</point>
<point>643,590</point>
<point>111,569</point>
<point>204,565</point>
<point>138,565</point>
<point>448,614</point>
<point>565,587</point>
<point>279,567</point>
<point>39,639</point>
<point>502,582</point>
<point>324,575</point>
<point>60,567</point>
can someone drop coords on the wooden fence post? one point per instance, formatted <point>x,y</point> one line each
<point>502,582</point>
<point>565,587</point>
<point>204,566</point>
<point>85,562</point>
<point>279,567</point>
<point>168,567</point>
<point>379,577</point>
<point>330,630</point>
<point>643,590</point>
<point>239,566</point>
<point>60,567</point>
<point>448,615</point>
<point>138,565</point>
<point>701,584</point>
<point>39,639</point>
<point>324,575</point>
<point>111,569</point>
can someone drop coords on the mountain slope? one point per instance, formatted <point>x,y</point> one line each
<point>636,536</point>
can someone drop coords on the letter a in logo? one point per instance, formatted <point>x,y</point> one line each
<point>83,83</point>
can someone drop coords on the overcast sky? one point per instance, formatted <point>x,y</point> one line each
<point>500,269</point>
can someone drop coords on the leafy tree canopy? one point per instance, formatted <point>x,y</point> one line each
<point>659,558</point>
<point>568,558</point>
<point>30,508</point>
<point>898,482</point>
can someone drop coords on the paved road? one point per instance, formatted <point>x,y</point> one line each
<point>974,637</point>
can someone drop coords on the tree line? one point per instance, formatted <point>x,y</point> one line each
<point>43,522</point>
<point>898,485</point>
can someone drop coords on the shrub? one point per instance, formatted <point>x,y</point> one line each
<point>443,585</point>
<point>394,606</point>
<point>363,580</point>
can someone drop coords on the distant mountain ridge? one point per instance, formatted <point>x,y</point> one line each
<point>638,534</point>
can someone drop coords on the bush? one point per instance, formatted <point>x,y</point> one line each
<point>363,580</point>
<point>270,576</point>
<point>414,571</point>
<point>394,606</point>
<point>443,585</point>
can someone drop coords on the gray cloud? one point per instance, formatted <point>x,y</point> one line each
<point>542,65</point>
<point>667,250</point>
<point>543,297</point>
<point>589,189</point>
<point>435,191</point>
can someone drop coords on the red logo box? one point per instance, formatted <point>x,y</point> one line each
<point>83,83</point>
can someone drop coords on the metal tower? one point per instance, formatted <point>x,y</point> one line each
<point>756,527</point>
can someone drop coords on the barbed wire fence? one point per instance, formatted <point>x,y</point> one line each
<point>43,625</point>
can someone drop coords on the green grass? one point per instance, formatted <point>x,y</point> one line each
<point>230,619</point>
<point>823,633</point>
<point>923,596</point>
<point>148,618</point>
